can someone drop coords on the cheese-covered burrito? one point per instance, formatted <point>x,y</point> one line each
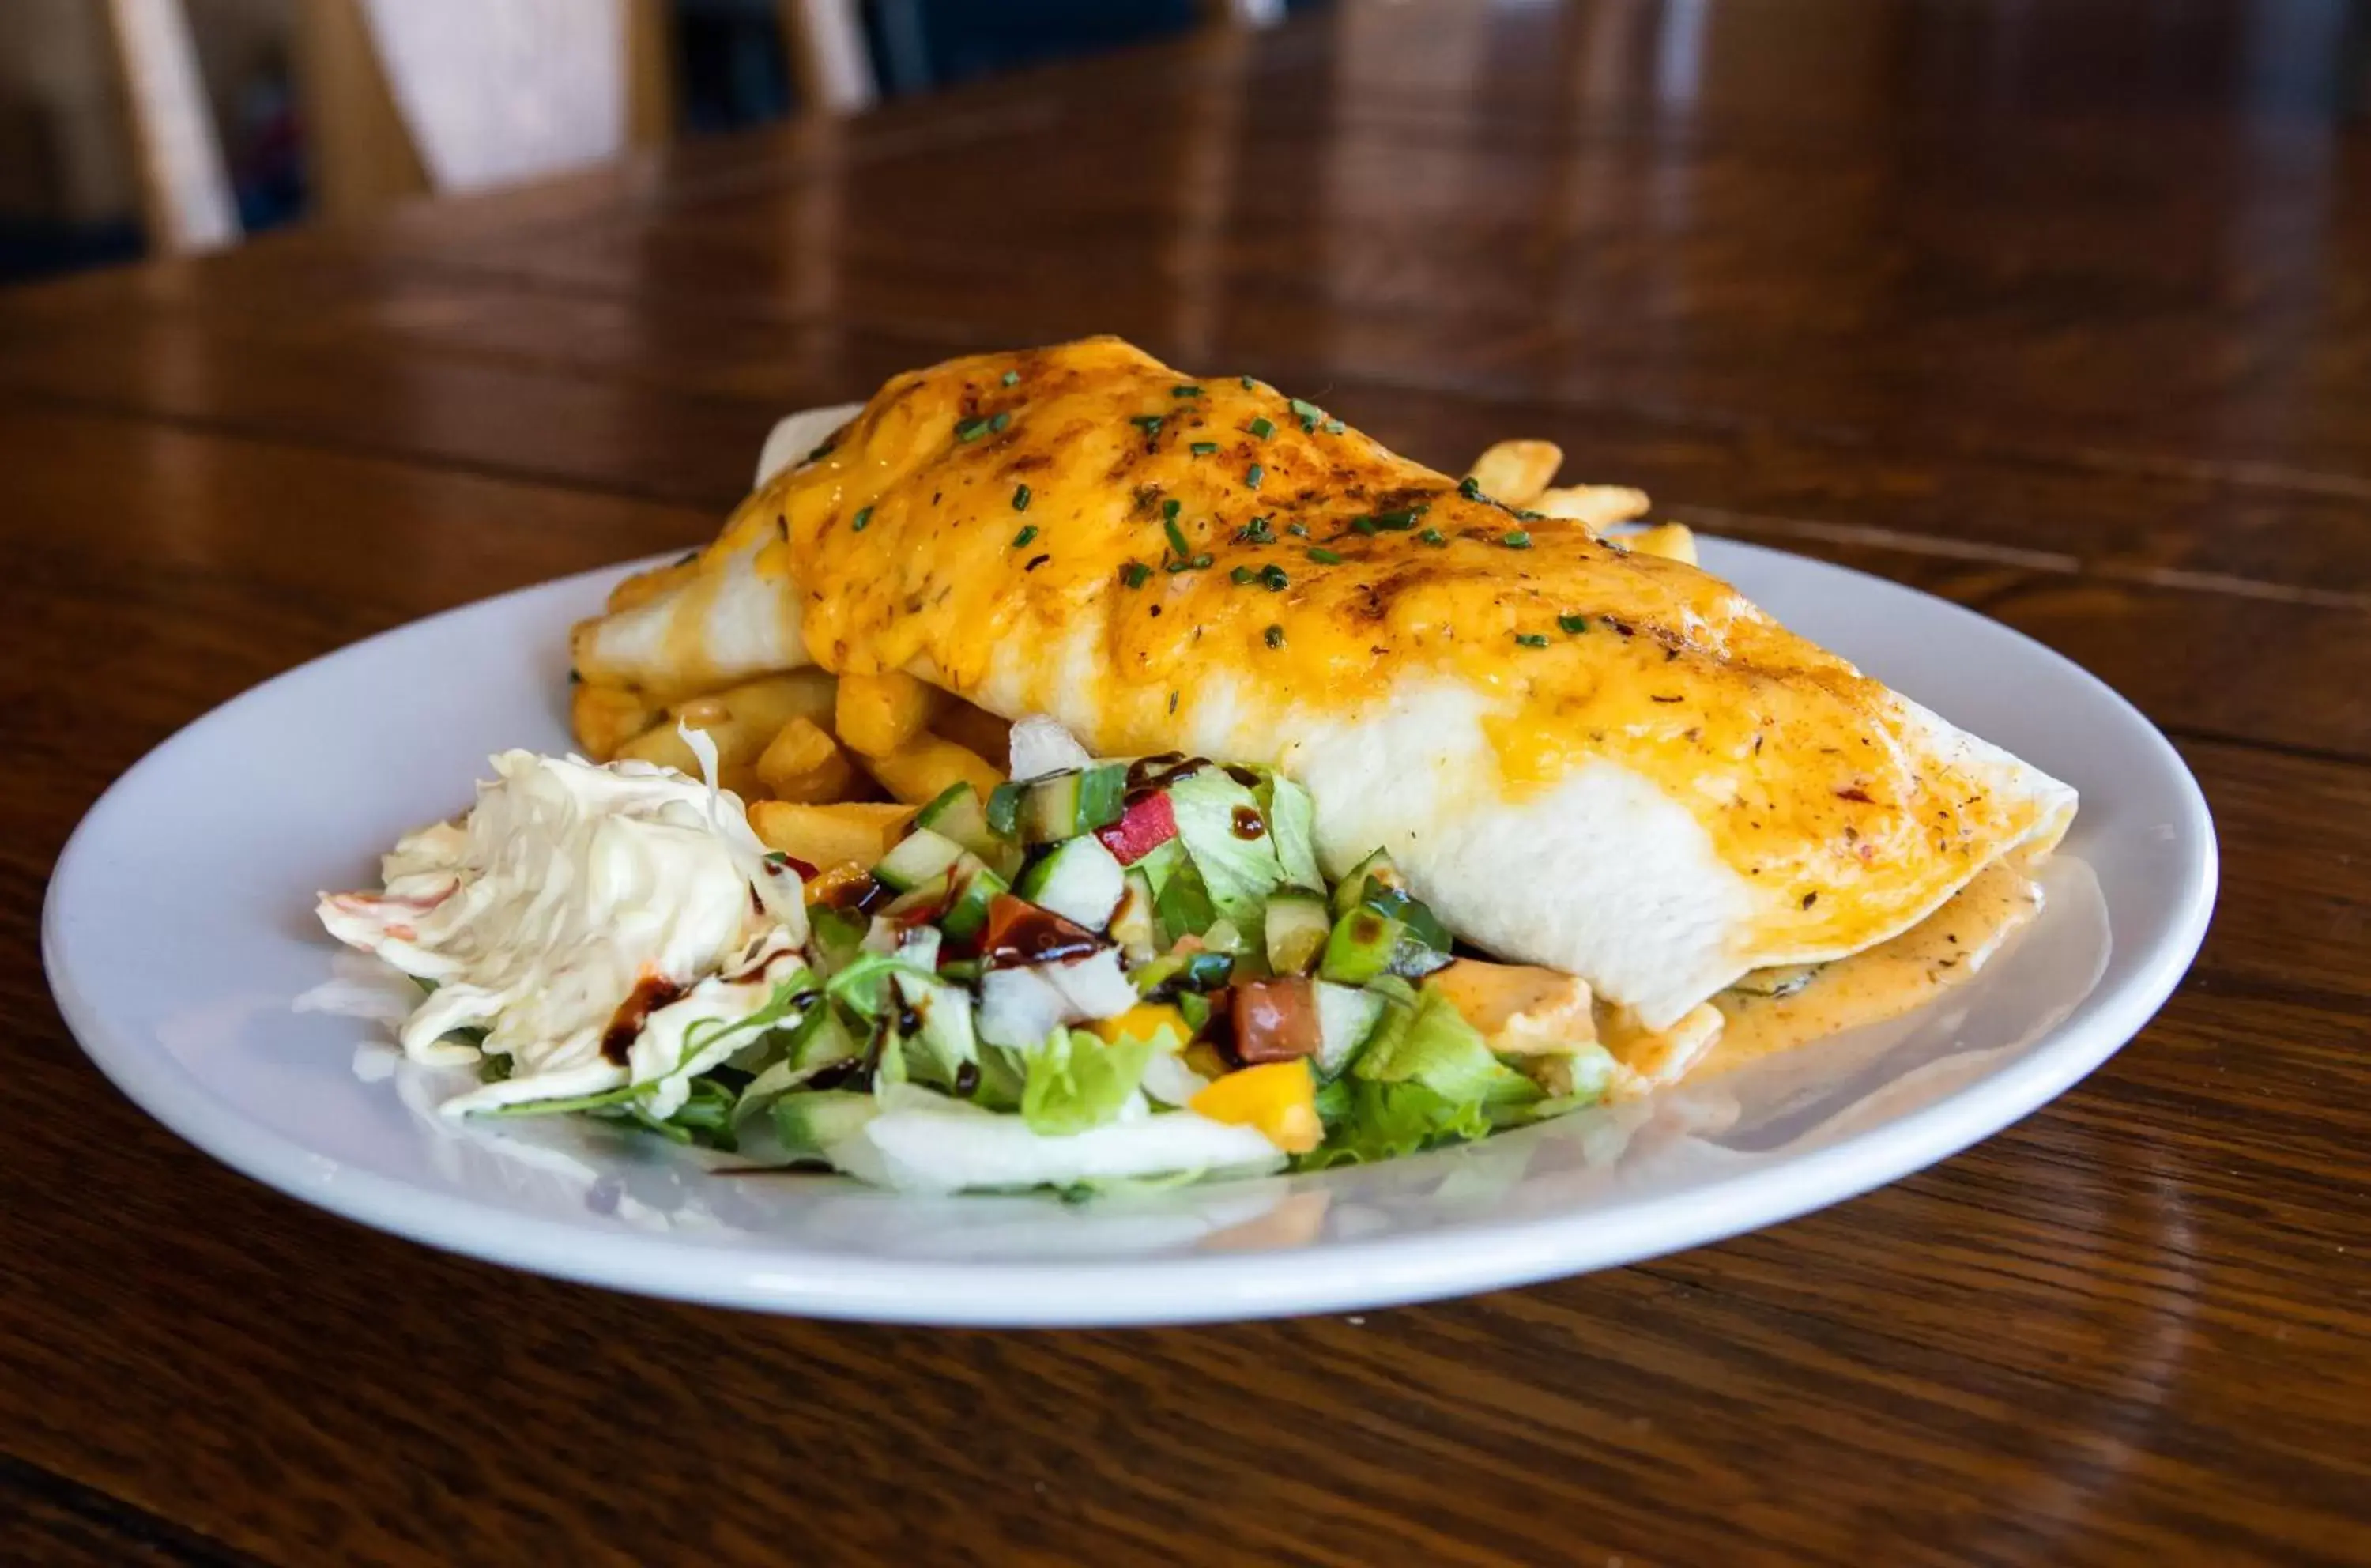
<point>1608,762</point>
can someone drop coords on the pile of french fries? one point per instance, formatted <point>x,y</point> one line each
<point>1520,474</point>
<point>833,768</point>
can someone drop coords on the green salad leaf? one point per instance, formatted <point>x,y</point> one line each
<point>1238,872</point>
<point>1075,1083</point>
<point>1367,1120</point>
<point>1291,825</point>
<point>1433,1045</point>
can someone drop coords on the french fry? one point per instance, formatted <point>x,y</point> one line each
<point>1513,472</point>
<point>918,771</point>
<point>827,835</point>
<point>605,718</point>
<point>975,729</point>
<point>1594,507</point>
<point>801,763</point>
<point>876,714</point>
<point>1671,540</point>
<point>739,721</point>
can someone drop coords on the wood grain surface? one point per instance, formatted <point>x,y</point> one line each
<point>2058,311</point>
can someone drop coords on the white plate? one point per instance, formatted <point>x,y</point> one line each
<point>179,939</point>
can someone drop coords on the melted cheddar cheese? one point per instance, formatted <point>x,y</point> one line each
<point>1217,544</point>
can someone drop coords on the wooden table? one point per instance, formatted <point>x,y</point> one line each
<point>2063,312</point>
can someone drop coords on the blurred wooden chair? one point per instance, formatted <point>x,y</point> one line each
<point>406,98</point>
<point>402,98</point>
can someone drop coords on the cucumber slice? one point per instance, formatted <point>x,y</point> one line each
<point>1359,948</point>
<point>823,1038</point>
<point>967,916</point>
<point>810,1123</point>
<point>1351,891</point>
<point>1004,809</point>
<point>1423,925</point>
<point>919,857</point>
<point>836,937</point>
<point>1068,804</point>
<point>958,814</point>
<point>1078,880</point>
<point>1131,923</point>
<point>1346,1017</point>
<point>946,1039</point>
<point>1179,974</point>
<point>1297,929</point>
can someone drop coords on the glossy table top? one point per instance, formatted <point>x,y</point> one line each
<point>2059,311</point>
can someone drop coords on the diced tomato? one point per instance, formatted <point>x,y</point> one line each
<point>1145,825</point>
<point>1020,932</point>
<point>1275,1020</point>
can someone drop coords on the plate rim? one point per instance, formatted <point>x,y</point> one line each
<point>1480,1254</point>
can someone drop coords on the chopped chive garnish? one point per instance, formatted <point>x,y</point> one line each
<point>1574,624</point>
<point>1334,427</point>
<point>1021,498</point>
<point>1252,475</point>
<point>863,517</point>
<point>1272,577</point>
<point>1204,448</point>
<point>1255,532</point>
<point>971,428</point>
<point>1433,537</point>
<point>1149,423</point>
<point>1325,557</point>
<point>1298,530</point>
<point>1241,575</point>
<point>1169,508</point>
<point>1398,520</point>
<point>1307,412</point>
<point>820,453</point>
<point>1024,537</point>
<point>1363,526</point>
<point>997,420</point>
<point>1532,639</point>
<point>1516,539</point>
<point>1136,574</point>
<point>1011,378</point>
<point>1273,636</point>
<point>1247,382</point>
<point>1261,429</point>
<point>1184,391</point>
<point>1531,516</point>
<point>1177,537</point>
<point>1200,562</point>
<point>1470,488</point>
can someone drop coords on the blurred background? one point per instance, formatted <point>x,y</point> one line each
<point>132,127</point>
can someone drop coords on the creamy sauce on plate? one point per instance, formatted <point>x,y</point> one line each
<point>1885,981</point>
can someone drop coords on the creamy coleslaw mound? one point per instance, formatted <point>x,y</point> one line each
<point>569,890</point>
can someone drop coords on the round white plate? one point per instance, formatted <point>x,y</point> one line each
<point>179,939</point>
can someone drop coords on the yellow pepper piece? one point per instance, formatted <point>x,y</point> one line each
<point>1279,1097</point>
<point>1142,1021</point>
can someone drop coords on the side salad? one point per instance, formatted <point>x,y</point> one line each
<point>1104,971</point>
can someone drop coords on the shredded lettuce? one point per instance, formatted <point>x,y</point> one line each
<point>1075,1082</point>
<point>1291,825</point>
<point>1238,872</point>
<point>1367,1120</point>
<point>1439,1050</point>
